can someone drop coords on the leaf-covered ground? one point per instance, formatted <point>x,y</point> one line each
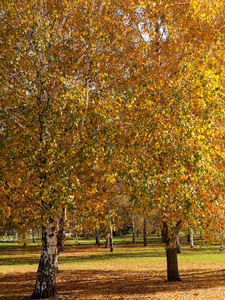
<point>131,272</point>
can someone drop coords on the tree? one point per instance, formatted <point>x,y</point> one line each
<point>95,90</point>
<point>58,81</point>
<point>175,114</point>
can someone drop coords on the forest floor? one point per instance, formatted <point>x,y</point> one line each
<point>131,272</point>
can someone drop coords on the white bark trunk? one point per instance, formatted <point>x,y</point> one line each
<point>178,244</point>
<point>45,286</point>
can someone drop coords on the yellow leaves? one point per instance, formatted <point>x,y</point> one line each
<point>207,11</point>
<point>52,144</point>
<point>111,179</point>
<point>88,72</point>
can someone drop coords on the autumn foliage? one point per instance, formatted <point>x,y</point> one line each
<point>96,93</point>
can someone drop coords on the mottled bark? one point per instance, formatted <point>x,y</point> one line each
<point>107,240</point>
<point>45,286</point>
<point>145,231</point>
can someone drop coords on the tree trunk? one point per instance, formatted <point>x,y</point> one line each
<point>178,244</point>
<point>24,240</point>
<point>221,246</point>
<point>111,239</point>
<point>163,232</point>
<point>33,235</point>
<point>222,240</point>
<point>172,264</point>
<point>62,231</point>
<point>188,237</point>
<point>61,236</point>
<point>145,231</point>
<point>45,286</point>
<point>133,229</point>
<point>158,230</point>
<point>171,251</point>
<point>191,237</point>
<point>97,241</point>
<point>138,233</point>
<point>138,228</point>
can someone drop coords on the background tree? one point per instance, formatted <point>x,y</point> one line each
<point>174,110</point>
<point>56,58</point>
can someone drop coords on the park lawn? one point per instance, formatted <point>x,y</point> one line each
<point>131,272</point>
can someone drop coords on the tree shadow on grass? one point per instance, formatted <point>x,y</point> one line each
<point>111,284</point>
<point>23,259</point>
<point>111,256</point>
<point>81,254</point>
<point>26,260</point>
<point>18,261</point>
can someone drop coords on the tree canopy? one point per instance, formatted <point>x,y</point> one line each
<point>93,91</point>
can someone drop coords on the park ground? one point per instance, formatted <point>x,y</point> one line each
<point>131,272</point>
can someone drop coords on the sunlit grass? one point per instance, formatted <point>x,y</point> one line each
<point>82,251</point>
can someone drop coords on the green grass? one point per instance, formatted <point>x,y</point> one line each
<point>12,253</point>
